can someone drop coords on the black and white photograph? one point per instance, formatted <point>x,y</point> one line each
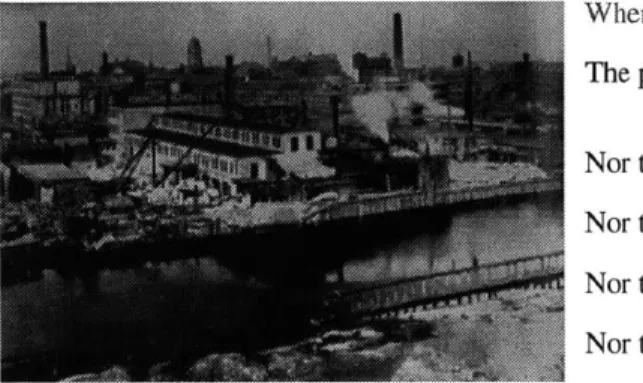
<point>282,191</point>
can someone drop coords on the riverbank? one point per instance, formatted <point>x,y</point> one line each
<point>517,337</point>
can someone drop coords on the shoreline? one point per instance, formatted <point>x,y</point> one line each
<point>519,336</point>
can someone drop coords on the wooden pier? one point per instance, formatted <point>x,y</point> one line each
<point>196,232</point>
<point>421,199</point>
<point>453,287</point>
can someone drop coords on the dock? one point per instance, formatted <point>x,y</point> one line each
<point>196,233</point>
<point>456,287</point>
<point>422,199</point>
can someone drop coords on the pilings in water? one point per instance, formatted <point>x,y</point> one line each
<point>457,287</point>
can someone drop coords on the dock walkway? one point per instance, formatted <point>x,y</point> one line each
<point>421,199</point>
<point>198,230</point>
<point>451,287</point>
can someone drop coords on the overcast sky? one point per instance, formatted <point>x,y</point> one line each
<point>433,32</point>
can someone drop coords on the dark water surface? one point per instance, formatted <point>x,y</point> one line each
<point>56,326</point>
<point>491,234</point>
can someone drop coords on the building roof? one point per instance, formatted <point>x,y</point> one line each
<point>53,172</point>
<point>255,126</point>
<point>304,165</point>
<point>205,144</point>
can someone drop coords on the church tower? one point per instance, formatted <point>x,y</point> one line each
<point>195,58</point>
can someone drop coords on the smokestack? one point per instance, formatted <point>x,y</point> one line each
<point>228,86</point>
<point>334,106</point>
<point>104,66</point>
<point>268,51</point>
<point>398,45</point>
<point>44,51</point>
<point>468,108</point>
<point>168,93</point>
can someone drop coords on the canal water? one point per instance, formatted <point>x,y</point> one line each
<point>55,327</point>
<point>489,234</point>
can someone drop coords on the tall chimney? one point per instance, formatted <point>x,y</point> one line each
<point>398,45</point>
<point>44,50</point>
<point>268,51</point>
<point>334,106</point>
<point>228,86</point>
<point>168,93</point>
<point>468,93</point>
<point>104,66</point>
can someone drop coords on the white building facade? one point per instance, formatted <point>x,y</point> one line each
<point>229,150</point>
<point>34,100</point>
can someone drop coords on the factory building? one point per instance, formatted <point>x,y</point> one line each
<point>226,150</point>
<point>369,69</point>
<point>44,182</point>
<point>380,69</point>
<point>54,96</point>
<point>308,66</point>
<point>59,98</point>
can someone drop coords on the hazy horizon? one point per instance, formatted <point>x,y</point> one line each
<point>159,32</point>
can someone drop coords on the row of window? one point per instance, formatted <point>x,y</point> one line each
<point>216,163</point>
<point>294,143</point>
<point>227,134</point>
<point>239,135</point>
<point>205,161</point>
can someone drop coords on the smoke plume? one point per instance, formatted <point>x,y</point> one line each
<point>377,108</point>
<point>375,111</point>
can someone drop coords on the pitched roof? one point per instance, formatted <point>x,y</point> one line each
<point>52,172</point>
<point>205,144</point>
<point>235,123</point>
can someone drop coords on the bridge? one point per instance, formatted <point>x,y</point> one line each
<point>452,287</point>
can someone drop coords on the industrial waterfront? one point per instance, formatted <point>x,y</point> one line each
<point>243,201</point>
<point>157,313</point>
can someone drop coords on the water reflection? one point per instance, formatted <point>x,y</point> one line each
<point>490,235</point>
<point>189,307</point>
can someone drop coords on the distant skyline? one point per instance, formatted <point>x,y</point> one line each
<point>159,32</point>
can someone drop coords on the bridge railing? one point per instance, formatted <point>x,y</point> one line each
<point>408,200</point>
<point>401,292</point>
